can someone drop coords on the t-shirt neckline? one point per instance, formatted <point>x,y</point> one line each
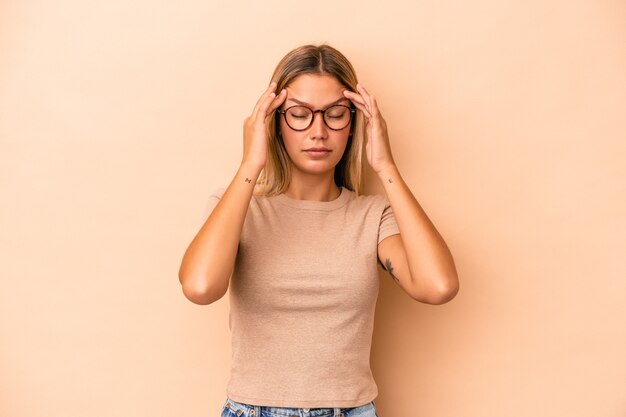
<point>314,204</point>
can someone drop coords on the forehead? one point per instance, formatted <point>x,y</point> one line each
<point>315,89</point>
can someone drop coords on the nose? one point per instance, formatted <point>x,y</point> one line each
<point>318,127</point>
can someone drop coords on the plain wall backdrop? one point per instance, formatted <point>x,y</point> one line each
<point>506,119</point>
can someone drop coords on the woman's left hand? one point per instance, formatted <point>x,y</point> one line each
<point>377,145</point>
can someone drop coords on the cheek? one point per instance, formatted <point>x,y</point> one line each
<point>344,140</point>
<point>292,142</point>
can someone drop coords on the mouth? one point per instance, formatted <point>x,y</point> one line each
<point>317,152</point>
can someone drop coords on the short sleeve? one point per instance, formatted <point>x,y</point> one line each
<point>214,198</point>
<point>388,225</point>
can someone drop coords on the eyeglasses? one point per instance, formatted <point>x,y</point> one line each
<point>299,118</point>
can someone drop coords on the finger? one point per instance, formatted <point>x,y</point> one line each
<point>278,100</point>
<point>375,110</point>
<point>360,87</point>
<point>358,102</point>
<point>262,112</point>
<point>354,97</point>
<point>363,109</point>
<point>263,97</point>
<point>365,94</point>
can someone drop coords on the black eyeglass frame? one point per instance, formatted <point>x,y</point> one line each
<point>352,110</point>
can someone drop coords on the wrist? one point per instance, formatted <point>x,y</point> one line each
<point>250,167</point>
<point>387,171</point>
<point>250,171</point>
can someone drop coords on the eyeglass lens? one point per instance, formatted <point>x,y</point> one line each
<point>300,117</point>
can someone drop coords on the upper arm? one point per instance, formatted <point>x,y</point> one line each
<point>392,256</point>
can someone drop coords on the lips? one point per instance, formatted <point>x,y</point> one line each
<point>317,152</point>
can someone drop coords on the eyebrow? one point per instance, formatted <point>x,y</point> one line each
<point>307,104</point>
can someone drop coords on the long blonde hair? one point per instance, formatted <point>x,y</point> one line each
<point>311,59</point>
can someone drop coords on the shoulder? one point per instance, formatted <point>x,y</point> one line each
<point>367,202</point>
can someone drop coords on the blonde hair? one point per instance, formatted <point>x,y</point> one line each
<point>311,59</point>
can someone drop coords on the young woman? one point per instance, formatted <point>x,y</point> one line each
<point>302,245</point>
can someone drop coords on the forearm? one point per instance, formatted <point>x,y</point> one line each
<point>210,258</point>
<point>430,262</point>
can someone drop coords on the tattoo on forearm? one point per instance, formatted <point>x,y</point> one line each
<point>248,179</point>
<point>389,269</point>
<point>389,179</point>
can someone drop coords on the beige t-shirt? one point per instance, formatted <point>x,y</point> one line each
<point>302,300</point>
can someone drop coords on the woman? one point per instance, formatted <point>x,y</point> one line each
<point>302,245</point>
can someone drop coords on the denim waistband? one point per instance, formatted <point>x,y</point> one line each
<point>251,410</point>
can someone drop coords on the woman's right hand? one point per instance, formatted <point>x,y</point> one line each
<point>255,141</point>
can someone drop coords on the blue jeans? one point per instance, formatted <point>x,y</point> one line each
<point>235,409</point>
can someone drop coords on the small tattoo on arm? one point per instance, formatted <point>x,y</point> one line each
<point>389,179</point>
<point>248,179</point>
<point>389,269</point>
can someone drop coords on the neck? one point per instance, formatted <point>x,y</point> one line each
<point>315,188</point>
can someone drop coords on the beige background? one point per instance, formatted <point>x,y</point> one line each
<point>506,119</point>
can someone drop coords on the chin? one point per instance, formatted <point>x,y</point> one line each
<point>315,167</point>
